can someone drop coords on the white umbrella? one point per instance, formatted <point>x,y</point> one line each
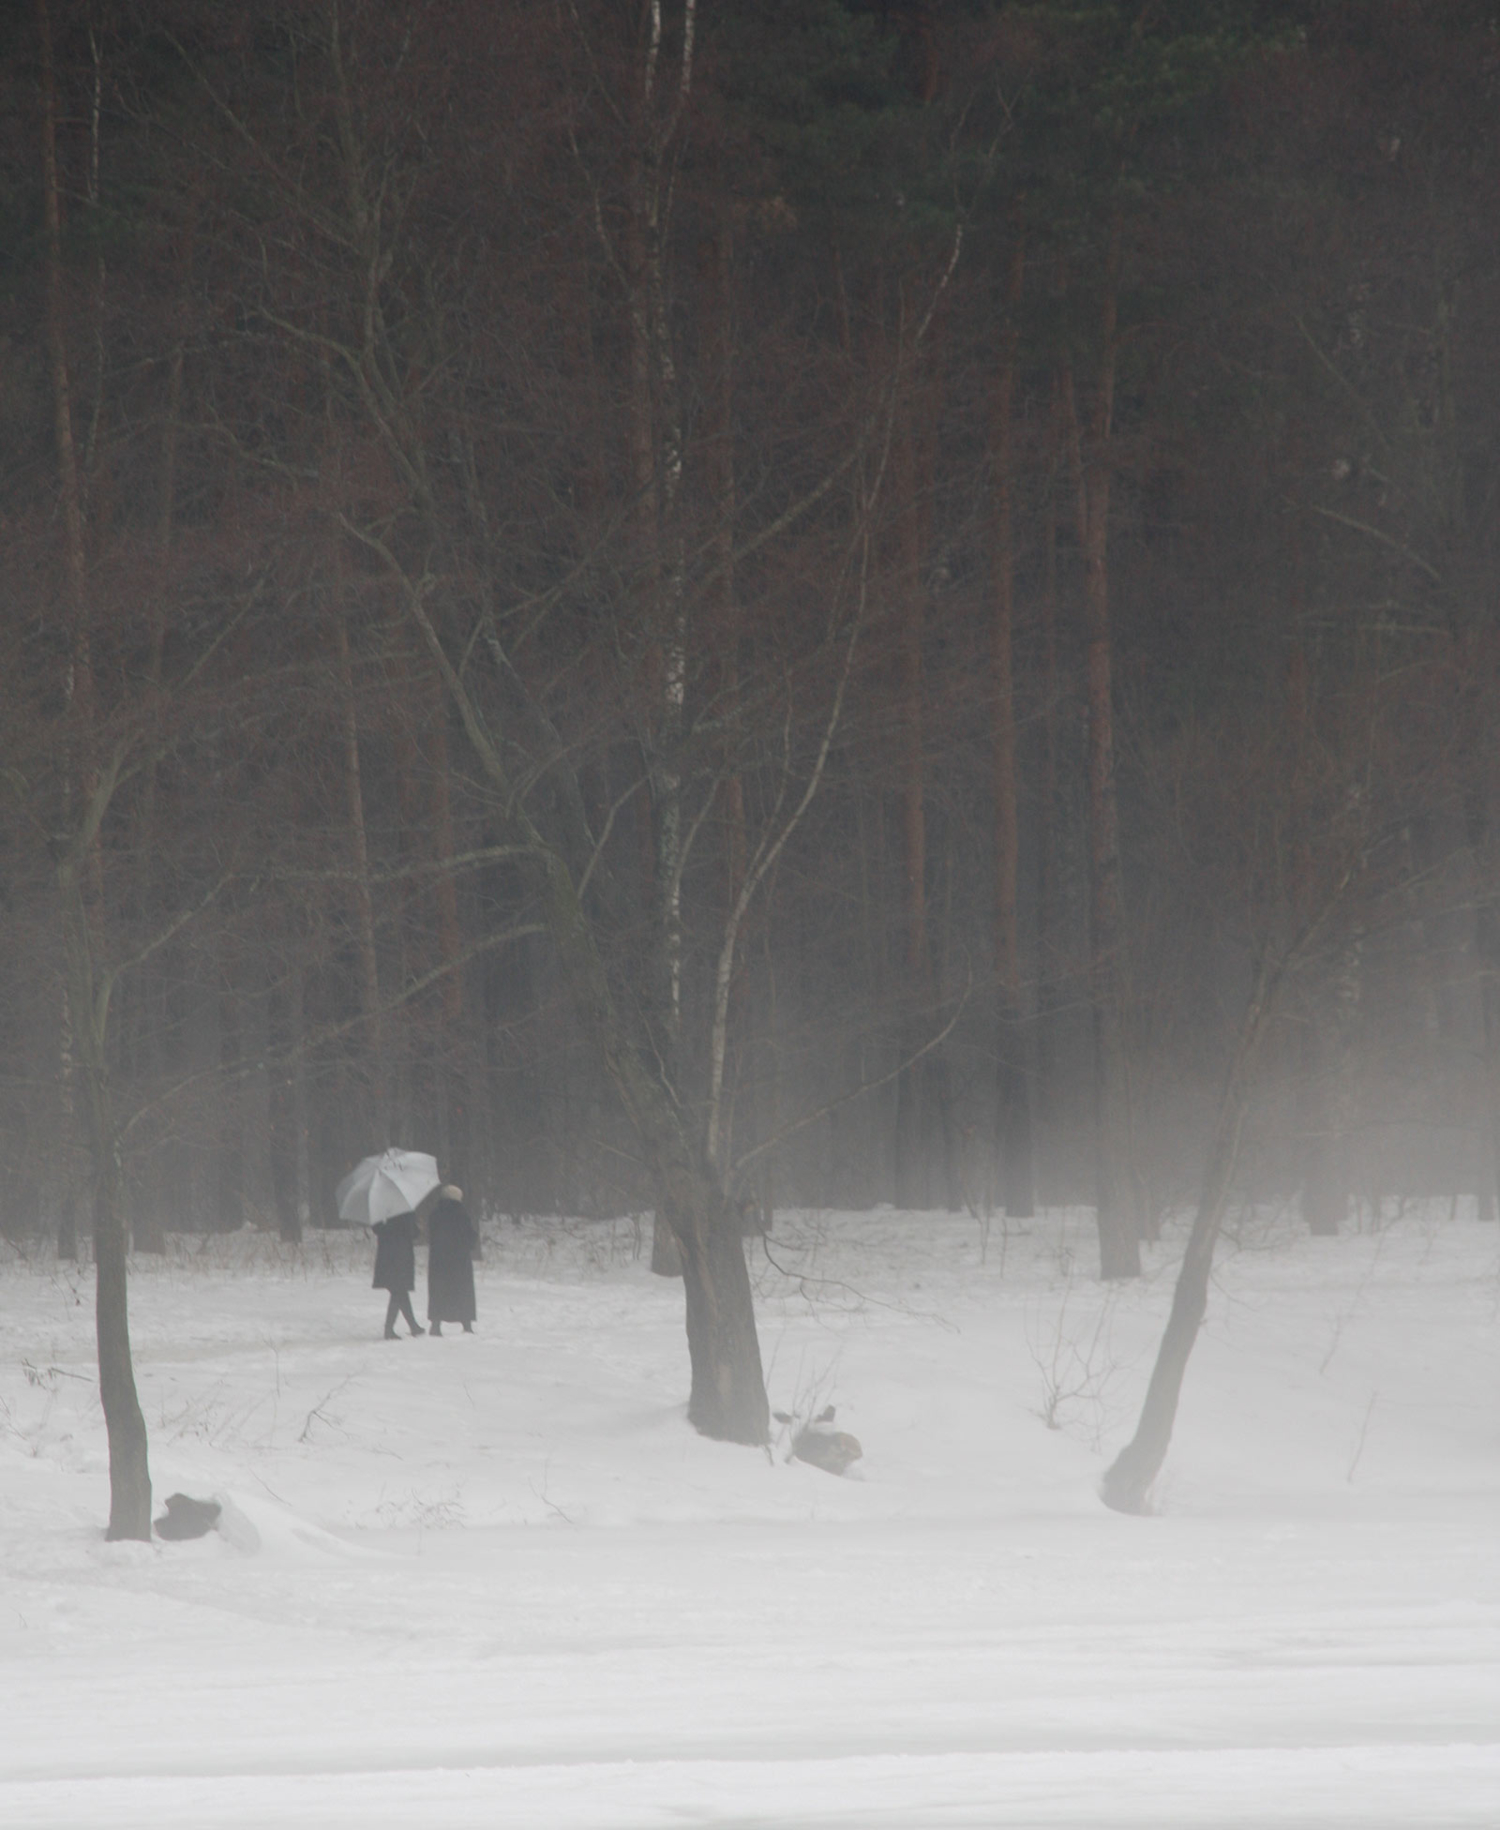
<point>382,1186</point>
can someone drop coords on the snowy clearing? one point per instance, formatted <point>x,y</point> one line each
<point>500,1582</point>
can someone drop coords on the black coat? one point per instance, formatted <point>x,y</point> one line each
<point>395,1254</point>
<point>451,1243</point>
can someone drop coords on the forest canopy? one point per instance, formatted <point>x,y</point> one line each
<point>702,608</point>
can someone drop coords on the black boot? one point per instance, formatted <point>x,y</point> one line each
<point>419,1331</point>
<point>436,1330</point>
<point>468,1327</point>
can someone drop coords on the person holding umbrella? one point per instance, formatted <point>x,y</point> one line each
<point>380,1193</point>
<point>452,1240</point>
<point>396,1269</point>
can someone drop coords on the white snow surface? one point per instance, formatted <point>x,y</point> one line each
<point>496,1580</point>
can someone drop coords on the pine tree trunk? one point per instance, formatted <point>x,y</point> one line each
<point>229,1197</point>
<point>1119,1242</point>
<point>457,1079</point>
<point>1479,826</point>
<point>78,680</point>
<point>716,463</point>
<point>445,891</point>
<point>283,1056</point>
<point>654,450</point>
<point>364,907</point>
<point>1049,874</point>
<point>1013,1138</point>
<point>911,1081</point>
<point>1326,1196</point>
<point>149,1233</point>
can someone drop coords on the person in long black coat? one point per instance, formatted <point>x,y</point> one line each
<point>452,1240</point>
<point>396,1269</point>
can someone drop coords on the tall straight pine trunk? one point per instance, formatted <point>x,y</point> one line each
<point>911,688</point>
<point>1119,1242</point>
<point>377,1075</point>
<point>1013,1076</point>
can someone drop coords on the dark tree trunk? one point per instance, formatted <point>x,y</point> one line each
<point>727,1399</point>
<point>79,886</point>
<point>1012,1033</point>
<point>1480,834</point>
<point>656,456</point>
<point>728,1393</point>
<point>1127,1483</point>
<point>1049,899</point>
<point>67,1229</point>
<point>77,684</point>
<point>229,1166</point>
<point>281,1096</point>
<point>125,1426</point>
<point>913,1113</point>
<point>1325,1191</point>
<point>1119,1240</point>
<point>378,1117</point>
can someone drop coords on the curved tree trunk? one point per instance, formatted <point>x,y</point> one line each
<point>125,1426</point>
<point>1127,1483</point>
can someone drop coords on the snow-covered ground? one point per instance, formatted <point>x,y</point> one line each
<point>499,1582</point>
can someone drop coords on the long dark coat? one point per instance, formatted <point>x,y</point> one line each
<point>451,1241</point>
<point>396,1255</point>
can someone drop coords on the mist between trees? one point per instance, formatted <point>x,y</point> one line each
<point>703,609</point>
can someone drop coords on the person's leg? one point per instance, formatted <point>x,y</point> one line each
<point>434,1328</point>
<point>406,1310</point>
<point>392,1310</point>
<point>468,1327</point>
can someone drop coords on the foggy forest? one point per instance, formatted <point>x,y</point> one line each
<point>795,604</point>
<point>841,658</point>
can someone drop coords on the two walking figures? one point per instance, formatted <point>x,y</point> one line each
<point>452,1242</point>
